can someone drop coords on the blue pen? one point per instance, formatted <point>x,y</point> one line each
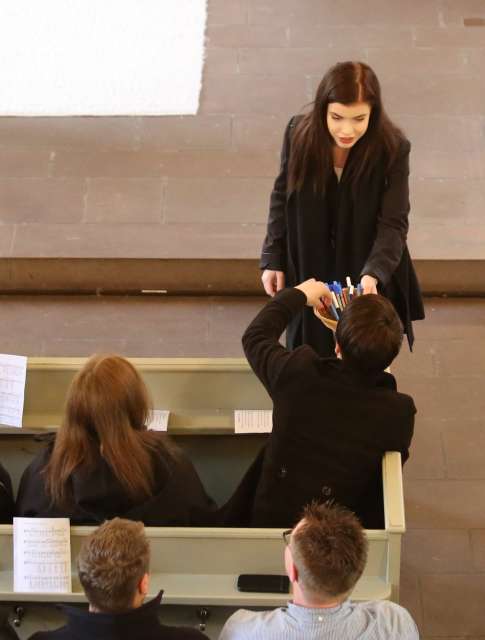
<point>335,291</point>
<point>334,311</point>
<point>359,289</point>
<point>339,294</point>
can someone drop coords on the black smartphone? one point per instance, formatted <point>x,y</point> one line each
<point>258,583</point>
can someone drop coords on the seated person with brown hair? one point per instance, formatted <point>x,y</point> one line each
<point>113,568</point>
<point>325,556</point>
<point>333,419</point>
<point>105,463</point>
<point>6,497</point>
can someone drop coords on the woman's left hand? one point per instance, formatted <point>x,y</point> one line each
<point>369,284</point>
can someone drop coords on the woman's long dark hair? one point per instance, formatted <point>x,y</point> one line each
<point>107,408</point>
<point>311,143</point>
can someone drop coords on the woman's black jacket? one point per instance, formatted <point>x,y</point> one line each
<point>178,498</point>
<point>345,232</point>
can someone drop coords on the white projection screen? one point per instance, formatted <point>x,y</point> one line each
<point>101,57</point>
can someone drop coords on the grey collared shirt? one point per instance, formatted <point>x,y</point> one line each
<point>380,620</point>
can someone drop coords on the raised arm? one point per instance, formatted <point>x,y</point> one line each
<point>392,223</point>
<point>261,345</point>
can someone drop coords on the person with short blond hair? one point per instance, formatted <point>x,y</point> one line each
<point>113,565</point>
<point>325,555</point>
<point>113,568</point>
<point>329,549</point>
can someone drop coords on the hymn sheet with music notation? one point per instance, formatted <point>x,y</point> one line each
<point>13,371</point>
<point>42,555</point>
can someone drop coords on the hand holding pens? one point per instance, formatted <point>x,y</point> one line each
<point>317,293</point>
<point>341,296</point>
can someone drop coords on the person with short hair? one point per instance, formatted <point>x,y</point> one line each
<point>6,497</point>
<point>104,462</point>
<point>113,568</point>
<point>325,556</point>
<point>369,334</point>
<point>333,418</point>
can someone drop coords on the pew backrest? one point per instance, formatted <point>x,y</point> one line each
<point>197,565</point>
<point>201,565</point>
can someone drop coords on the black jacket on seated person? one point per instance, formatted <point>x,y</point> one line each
<point>6,497</point>
<point>331,428</point>
<point>140,623</point>
<point>179,499</point>
<point>6,631</point>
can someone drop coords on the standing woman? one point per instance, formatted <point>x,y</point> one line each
<point>340,203</point>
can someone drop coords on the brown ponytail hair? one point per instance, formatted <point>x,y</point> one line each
<point>311,144</point>
<point>106,411</point>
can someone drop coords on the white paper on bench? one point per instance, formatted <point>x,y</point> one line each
<point>159,420</point>
<point>42,555</point>
<point>253,420</point>
<point>13,370</point>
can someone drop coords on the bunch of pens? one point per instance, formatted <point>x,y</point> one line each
<point>341,296</point>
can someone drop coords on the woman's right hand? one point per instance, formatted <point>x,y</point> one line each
<point>273,281</point>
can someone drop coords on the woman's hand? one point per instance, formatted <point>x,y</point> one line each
<point>369,284</point>
<point>273,281</point>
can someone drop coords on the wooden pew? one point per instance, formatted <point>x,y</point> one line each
<point>201,565</point>
<point>195,567</point>
<point>201,394</point>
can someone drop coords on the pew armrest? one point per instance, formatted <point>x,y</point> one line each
<point>394,518</point>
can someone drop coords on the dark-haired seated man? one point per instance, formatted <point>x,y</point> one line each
<point>113,569</point>
<point>325,555</point>
<point>333,419</point>
<point>6,497</point>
